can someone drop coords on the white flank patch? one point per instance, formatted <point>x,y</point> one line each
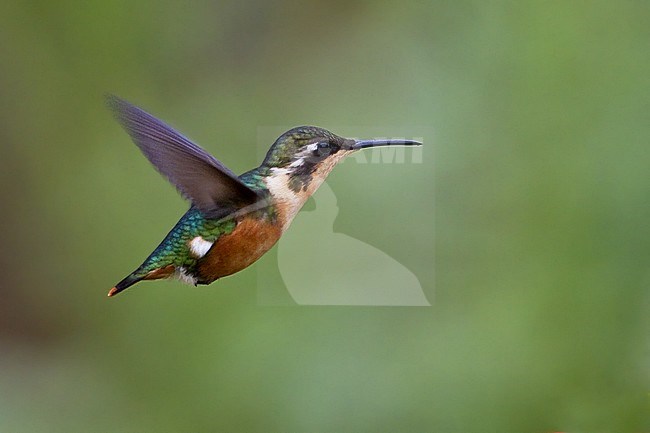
<point>186,278</point>
<point>199,247</point>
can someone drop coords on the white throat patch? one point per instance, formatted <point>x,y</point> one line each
<point>288,201</point>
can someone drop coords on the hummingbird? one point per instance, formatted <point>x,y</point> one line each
<point>232,220</point>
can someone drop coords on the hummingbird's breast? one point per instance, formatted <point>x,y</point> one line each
<point>251,238</point>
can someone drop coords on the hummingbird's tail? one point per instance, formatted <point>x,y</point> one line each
<point>124,284</point>
<point>163,261</point>
<point>142,274</point>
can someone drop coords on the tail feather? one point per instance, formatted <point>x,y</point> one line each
<point>142,274</point>
<point>124,284</point>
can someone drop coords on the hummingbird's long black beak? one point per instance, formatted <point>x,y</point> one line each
<point>363,144</point>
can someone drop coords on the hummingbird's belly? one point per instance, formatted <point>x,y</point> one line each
<point>237,250</point>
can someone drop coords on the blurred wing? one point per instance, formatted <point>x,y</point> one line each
<point>197,175</point>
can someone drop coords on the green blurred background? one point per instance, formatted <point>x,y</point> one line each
<point>536,177</point>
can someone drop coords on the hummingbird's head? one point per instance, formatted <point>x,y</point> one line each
<point>307,153</point>
<point>303,145</point>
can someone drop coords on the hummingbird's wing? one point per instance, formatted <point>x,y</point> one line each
<point>197,175</point>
